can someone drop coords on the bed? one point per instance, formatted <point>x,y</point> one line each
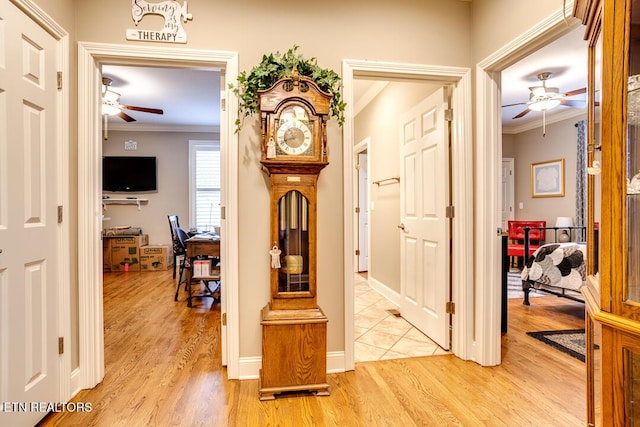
<point>557,269</point>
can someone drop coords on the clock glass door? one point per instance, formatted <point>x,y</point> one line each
<point>293,220</point>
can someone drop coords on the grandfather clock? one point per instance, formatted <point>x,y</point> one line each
<point>294,112</point>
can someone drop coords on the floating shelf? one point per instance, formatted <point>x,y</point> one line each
<point>124,201</point>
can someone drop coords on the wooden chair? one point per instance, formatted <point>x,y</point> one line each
<point>515,247</point>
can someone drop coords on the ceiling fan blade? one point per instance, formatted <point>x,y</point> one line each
<point>517,103</point>
<point>573,103</point>
<point>142,109</point>
<point>126,117</point>
<point>522,114</point>
<point>576,92</point>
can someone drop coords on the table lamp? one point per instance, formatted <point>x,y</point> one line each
<point>564,221</point>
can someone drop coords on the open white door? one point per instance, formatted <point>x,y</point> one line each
<point>424,227</point>
<point>29,360</point>
<point>363,213</point>
<point>507,210</point>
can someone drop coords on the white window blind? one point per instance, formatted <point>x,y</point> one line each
<point>204,171</point>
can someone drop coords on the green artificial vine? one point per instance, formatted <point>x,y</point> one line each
<point>276,66</point>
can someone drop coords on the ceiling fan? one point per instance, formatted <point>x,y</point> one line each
<point>543,98</point>
<point>111,103</point>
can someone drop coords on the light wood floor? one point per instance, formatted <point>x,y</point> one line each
<point>163,368</point>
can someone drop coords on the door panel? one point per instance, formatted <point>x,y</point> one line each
<point>424,228</point>
<point>507,206</point>
<point>363,215</point>
<point>29,360</point>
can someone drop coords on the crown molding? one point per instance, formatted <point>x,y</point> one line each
<point>535,124</point>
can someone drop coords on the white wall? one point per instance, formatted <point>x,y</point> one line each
<point>172,152</point>
<point>532,147</point>
<point>380,121</point>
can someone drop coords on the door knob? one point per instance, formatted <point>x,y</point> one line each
<point>403,228</point>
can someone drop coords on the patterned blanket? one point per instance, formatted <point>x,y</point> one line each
<point>561,265</point>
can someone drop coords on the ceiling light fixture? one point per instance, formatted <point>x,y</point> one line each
<point>544,104</point>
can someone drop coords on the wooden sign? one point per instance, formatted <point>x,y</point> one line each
<point>174,15</point>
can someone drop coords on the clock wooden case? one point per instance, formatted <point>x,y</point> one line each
<point>294,113</point>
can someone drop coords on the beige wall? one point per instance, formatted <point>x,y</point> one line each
<point>531,147</point>
<point>434,32</point>
<point>497,22</point>
<point>172,152</point>
<point>380,121</point>
<point>337,30</point>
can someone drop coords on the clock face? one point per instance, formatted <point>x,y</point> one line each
<point>294,135</point>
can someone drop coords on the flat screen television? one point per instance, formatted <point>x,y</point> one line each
<point>129,174</point>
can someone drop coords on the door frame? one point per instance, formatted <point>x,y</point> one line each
<point>90,303</point>
<point>359,148</point>
<point>488,154</point>
<point>462,344</point>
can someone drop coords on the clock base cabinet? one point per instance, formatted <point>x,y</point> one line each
<point>294,352</point>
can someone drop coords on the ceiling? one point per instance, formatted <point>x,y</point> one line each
<point>190,98</point>
<point>566,60</point>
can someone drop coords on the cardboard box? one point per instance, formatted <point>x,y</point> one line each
<point>201,268</point>
<point>125,252</point>
<point>156,257</point>
<point>106,254</point>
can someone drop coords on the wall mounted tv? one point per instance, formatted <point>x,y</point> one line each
<point>129,174</point>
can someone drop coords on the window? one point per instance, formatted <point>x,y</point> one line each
<point>204,184</point>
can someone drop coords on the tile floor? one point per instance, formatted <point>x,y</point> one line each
<point>381,335</point>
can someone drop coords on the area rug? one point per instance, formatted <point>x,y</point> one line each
<point>514,287</point>
<point>570,341</point>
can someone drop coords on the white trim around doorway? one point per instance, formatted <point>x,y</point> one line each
<point>90,58</point>
<point>462,158</point>
<point>488,138</point>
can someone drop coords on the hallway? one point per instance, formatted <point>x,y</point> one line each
<point>380,334</point>
<point>163,367</point>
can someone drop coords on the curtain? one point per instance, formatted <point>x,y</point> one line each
<point>581,173</point>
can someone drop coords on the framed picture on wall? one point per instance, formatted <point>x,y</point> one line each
<point>547,179</point>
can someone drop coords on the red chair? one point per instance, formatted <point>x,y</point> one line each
<point>515,247</point>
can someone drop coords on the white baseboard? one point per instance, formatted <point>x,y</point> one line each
<point>74,383</point>
<point>385,291</point>
<point>250,366</point>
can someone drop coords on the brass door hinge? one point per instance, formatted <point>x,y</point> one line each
<point>451,307</point>
<point>448,114</point>
<point>59,80</point>
<point>450,212</point>
<point>223,104</point>
<point>358,252</point>
<point>224,319</point>
<point>59,214</point>
<point>60,345</point>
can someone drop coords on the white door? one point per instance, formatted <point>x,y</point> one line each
<point>29,360</point>
<point>424,228</point>
<point>363,213</point>
<point>507,207</point>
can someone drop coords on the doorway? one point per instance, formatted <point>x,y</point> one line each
<point>461,158</point>
<point>488,141</point>
<point>90,58</point>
